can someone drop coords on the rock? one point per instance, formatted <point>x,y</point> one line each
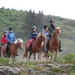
<point>6,70</point>
<point>59,65</point>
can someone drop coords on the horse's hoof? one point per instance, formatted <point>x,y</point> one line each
<point>60,50</point>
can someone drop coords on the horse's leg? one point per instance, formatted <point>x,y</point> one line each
<point>56,54</point>
<point>39,56</point>
<point>34,56</point>
<point>3,51</point>
<point>51,57</point>
<point>11,60</point>
<point>30,53</point>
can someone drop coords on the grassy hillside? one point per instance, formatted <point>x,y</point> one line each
<point>22,21</point>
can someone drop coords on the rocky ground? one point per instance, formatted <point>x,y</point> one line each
<point>22,67</point>
<point>31,68</point>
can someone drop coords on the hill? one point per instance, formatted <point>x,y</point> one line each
<point>22,21</point>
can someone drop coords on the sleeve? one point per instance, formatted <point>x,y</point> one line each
<point>14,37</point>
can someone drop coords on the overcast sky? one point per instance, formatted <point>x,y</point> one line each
<point>63,8</point>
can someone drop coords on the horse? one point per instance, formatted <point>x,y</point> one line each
<point>54,43</point>
<point>36,47</point>
<point>13,49</point>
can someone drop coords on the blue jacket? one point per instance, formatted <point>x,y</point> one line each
<point>47,35</point>
<point>33,35</point>
<point>10,37</point>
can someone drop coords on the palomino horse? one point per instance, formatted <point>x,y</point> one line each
<point>13,49</point>
<point>37,46</point>
<point>54,43</point>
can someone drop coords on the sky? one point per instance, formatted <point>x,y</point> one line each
<point>63,8</point>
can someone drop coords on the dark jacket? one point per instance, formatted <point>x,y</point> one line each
<point>51,29</point>
<point>33,35</point>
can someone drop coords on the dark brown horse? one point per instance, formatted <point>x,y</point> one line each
<point>12,49</point>
<point>54,43</point>
<point>37,46</point>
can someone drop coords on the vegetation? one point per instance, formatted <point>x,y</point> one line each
<point>22,21</point>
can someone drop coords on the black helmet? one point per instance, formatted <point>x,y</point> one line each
<point>34,27</point>
<point>5,31</point>
<point>52,21</point>
<point>10,29</point>
<point>45,26</point>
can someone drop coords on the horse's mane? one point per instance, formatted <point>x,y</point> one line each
<point>41,34</point>
<point>20,40</point>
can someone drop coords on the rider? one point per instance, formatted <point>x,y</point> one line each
<point>33,35</point>
<point>3,39</point>
<point>51,27</point>
<point>10,38</point>
<point>51,30</point>
<point>47,36</point>
<point>34,32</point>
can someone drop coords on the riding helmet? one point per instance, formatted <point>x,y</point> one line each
<point>10,29</point>
<point>34,27</point>
<point>45,26</point>
<point>52,21</point>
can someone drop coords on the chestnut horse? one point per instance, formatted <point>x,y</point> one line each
<point>54,43</point>
<point>37,46</point>
<point>13,49</point>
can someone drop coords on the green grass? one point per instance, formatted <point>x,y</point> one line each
<point>4,60</point>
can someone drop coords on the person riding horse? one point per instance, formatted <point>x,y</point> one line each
<point>46,32</point>
<point>10,38</point>
<point>33,35</point>
<point>51,30</point>
<point>3,38</point>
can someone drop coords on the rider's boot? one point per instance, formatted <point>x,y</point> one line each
<point>60,50</point>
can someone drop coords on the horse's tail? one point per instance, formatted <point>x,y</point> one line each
<point>26,51</point>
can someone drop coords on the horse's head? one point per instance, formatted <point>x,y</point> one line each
<point>57,32</point>
<point>41,36</point>
<point>19,43</point>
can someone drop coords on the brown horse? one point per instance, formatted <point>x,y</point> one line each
<point>54,43</point>
<point>13,49</point>
<point>37,46</point>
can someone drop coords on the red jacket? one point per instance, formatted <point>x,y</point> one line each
<point>3,40</point>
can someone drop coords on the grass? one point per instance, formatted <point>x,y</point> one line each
<point>4,60</point>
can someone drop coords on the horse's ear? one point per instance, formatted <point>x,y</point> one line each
<point>41,32</point>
